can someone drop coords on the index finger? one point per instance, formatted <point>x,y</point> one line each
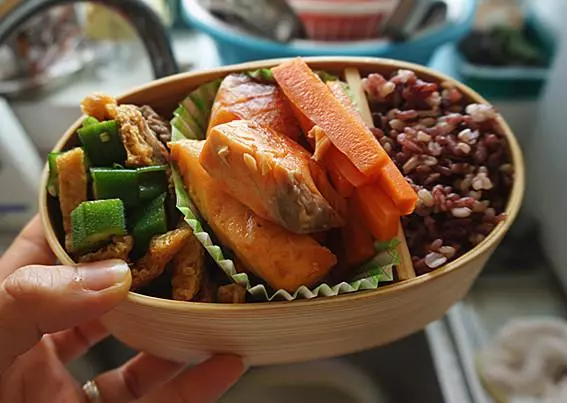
<point>29,247</point>
<point>204,383</point>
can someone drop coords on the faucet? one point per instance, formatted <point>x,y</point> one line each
<point>144,20</point>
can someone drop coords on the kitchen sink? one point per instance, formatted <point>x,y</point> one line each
<point>420,368</point>
<point>403,371</point>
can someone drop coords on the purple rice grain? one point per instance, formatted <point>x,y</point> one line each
<point>453,154</point>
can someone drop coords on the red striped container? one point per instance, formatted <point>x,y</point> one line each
<point>343,20</point>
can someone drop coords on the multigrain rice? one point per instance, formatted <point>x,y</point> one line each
<point>454,155</point>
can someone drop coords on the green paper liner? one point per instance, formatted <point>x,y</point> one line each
<point>371,274</point>
<point>265,75</point>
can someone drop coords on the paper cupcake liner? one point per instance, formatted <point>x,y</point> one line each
<point>371,274</point>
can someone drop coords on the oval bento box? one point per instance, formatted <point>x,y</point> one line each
<point>284,332</point>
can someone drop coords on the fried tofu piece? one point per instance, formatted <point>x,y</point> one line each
<point>72,182</point>
<point>119,248</point>
<point>99,106</point>
<point>281,258</point>
<point>142,146</point>
<point>161,251</point>
<point>271,174</point>
<point>231,294</point>
<point>188,270</point>
<point>208,291</point>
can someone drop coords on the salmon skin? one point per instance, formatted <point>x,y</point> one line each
<point>271,174</point>
<point>281,258</point>
<point>240,97</point>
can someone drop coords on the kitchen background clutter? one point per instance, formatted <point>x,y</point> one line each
<point>507,50</point>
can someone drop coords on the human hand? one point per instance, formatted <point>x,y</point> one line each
<point>48,317</point>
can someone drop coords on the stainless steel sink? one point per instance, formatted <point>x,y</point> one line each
<point>423,367</point>
<point>403,371</point>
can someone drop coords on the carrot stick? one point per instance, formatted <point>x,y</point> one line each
<point>339,165</point>
<point>338,89</point>
<point>395,185</point>
<point>358,242</point>
<point>312,97</point>
<point>405,269</point>
<point>340,183</point>
<point>304,122</point>
<point>390,178</point>
<point>378,212</point>
<point>336,160</point>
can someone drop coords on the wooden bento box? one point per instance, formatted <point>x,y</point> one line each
<point>300,330</point>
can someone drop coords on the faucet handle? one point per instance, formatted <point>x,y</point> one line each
<point>143,18</point>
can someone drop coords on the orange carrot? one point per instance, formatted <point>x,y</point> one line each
<point>304,122</point>
<point>395,185</point>
<point>340,183</point>
<point>378,212</point>
<point>314,99</point>
<point>390,179</point>
<point>357,241</point>
<point>340,162</point>
<point>337,88</point>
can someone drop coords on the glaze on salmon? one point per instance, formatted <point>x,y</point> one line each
<point>241,97</point>
<point>281,258</point>
<point>272,175</point>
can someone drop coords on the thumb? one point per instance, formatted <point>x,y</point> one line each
<point>35,300</point>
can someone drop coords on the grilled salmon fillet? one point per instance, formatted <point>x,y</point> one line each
<point>281,258</point>
<point>272,175</point>
<point>240,97</point>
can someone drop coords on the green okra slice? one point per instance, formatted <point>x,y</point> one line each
<point>148,221</point>
<point>102,143</point>
<point>93,223</point>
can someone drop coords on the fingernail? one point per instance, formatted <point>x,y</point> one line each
<point>98,276</point>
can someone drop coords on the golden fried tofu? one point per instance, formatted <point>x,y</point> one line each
<point>72,182</point>
<point>99,106</point>
<point>119,248</point>
<point>161,251</point>
<point>188,270</point>
<point>142,146</point>
<point>231,294</point>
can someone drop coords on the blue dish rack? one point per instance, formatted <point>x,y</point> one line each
<point>236,46</point>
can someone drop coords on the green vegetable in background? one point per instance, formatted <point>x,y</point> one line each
<point>94,223</point>
<point>502,46</point>
<point>102,143</point>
